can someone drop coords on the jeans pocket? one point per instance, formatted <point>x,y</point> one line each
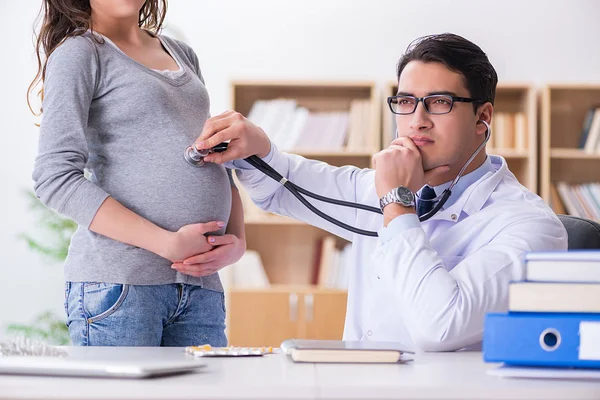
<point>101,300</point>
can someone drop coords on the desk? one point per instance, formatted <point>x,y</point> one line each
<point>430,376</point>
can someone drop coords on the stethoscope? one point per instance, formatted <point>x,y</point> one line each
<point>196,158</point>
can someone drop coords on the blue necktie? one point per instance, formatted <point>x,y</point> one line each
<point>425,206</point>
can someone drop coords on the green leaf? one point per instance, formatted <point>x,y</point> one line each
<point>47,328</point>
<point>58,231</point>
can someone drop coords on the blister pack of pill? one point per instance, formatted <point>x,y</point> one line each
<point>230,351</point>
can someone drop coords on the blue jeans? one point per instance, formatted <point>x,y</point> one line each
<point>111,314</point>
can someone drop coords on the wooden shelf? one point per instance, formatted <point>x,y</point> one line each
<point>511,97</point>
<point>509,153</point>
<point>563,109</point>
<point>286,246</point>
<point>291,251</point>
<point>573,154</point>
<point>321,96</point>
<point>316,154</point>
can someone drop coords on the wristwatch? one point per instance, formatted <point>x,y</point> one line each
<point>401,195</point>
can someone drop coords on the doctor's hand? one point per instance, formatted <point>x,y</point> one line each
<point>401,165</point>
<point>228,250</point>
<point>246,139</point>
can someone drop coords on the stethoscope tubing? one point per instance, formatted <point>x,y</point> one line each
<point>195,157</point>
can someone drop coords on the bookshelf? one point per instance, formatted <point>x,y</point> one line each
<point>514,138</point>
<point>295,305</point>
<point>564,109</point>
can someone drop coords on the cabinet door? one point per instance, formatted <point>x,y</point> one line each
<point>262,317</point>
<point>323,313</point>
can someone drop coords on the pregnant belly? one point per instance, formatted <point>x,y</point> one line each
<point>172,201</point>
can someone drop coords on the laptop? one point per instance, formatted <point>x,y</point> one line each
<point>75,367</point>
<point>338,351</point>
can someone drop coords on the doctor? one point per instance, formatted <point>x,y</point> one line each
<point>427,285</point>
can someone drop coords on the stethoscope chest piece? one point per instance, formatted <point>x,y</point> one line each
<point>194,157</point>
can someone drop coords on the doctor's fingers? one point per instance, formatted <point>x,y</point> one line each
<point>405,141</point>
<point>235,151</point>
<point>214,125</point>
<point>393,151</point>
<point>210,123</point>
<point>229,133</point>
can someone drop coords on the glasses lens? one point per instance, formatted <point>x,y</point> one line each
<point>402,104</point>
<point>439,104</point>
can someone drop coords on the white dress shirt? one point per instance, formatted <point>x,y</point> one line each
<point>426,285</point>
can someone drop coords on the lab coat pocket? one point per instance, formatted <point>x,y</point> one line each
<point>451,261</point>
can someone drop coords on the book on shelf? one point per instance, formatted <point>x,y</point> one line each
<point>580,200</point>
<point>248,273</point>
<point>509,131</point>
<point>332,265</point>
<point>556,202</point>
<point>589,140</point>
<point>294,128</point>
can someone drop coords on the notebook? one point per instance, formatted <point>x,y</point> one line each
<point>337,351</point>
<point>66,366</point>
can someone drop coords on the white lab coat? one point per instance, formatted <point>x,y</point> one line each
<point>425,285</point>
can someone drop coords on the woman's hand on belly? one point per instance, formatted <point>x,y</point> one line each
<point>228,250</point>
<point>190,240</point>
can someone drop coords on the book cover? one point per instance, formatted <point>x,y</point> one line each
<point>338,351</point>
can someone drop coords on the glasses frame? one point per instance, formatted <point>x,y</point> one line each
<point>422,99</point>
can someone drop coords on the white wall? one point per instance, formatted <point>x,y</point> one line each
<point>533,41</point>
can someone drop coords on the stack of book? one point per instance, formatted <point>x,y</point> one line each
<point>294,128</point>
<point>553,317</point>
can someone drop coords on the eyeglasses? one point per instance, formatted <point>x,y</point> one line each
<point>433,104</point>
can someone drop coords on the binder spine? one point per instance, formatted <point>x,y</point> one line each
<point>542,339</point>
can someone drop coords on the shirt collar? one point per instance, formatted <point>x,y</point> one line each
<point>480,182</point>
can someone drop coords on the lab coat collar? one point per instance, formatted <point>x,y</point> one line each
<point>473,197</point>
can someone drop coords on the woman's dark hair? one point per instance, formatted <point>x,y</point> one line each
<point>459,55</point>
<point>61,19</point>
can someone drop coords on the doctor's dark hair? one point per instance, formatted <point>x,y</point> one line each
<point>459,55</point>
<point>61,19</point>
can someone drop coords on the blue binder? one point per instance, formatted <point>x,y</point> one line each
<point>542,339</point>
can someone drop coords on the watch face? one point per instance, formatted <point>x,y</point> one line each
<point>405,195</point>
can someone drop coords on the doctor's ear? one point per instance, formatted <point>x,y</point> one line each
<point>484,112</point>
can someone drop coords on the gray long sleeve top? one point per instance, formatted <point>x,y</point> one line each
<point>128,125</point>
